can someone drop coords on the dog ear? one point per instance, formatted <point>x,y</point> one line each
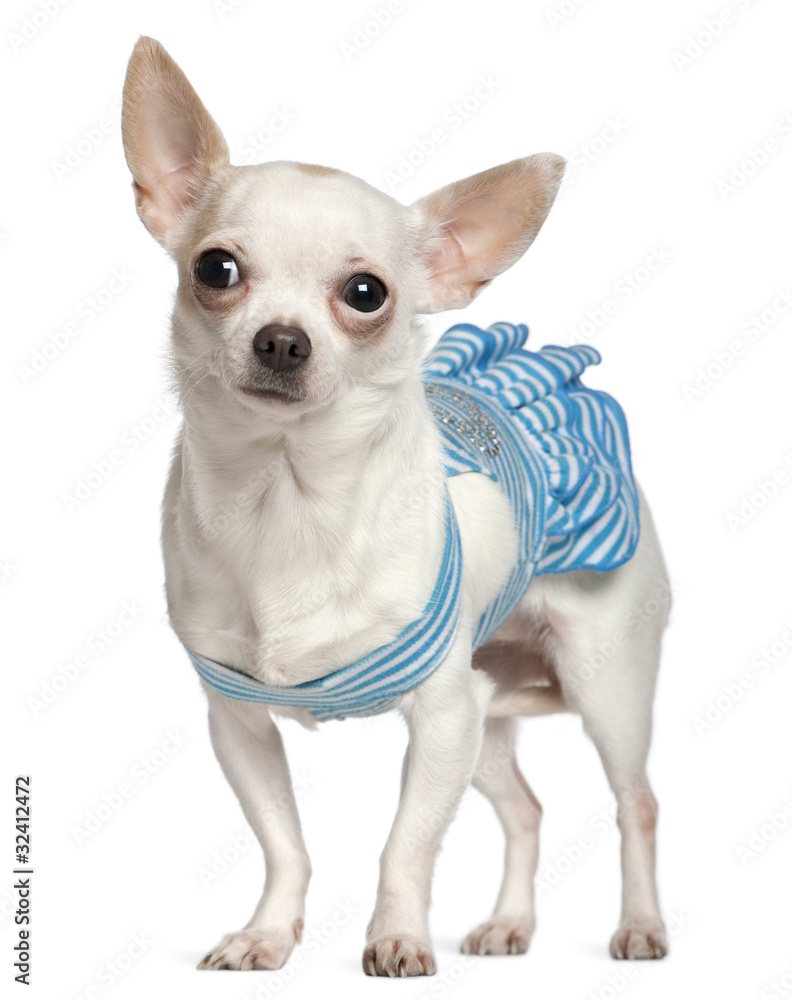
<point>171,142</point>
<point>477,228</point>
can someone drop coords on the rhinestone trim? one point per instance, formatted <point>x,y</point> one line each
<point>476,426</point>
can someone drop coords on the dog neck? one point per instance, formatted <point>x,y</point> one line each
<point>370,452</point>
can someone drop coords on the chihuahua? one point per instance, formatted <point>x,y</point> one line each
<point>318,538</point>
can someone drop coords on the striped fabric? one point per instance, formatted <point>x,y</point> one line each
<point>370,685</point>
<point>560,452</point>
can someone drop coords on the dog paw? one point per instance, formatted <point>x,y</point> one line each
<point>398,956</point>
<point>499,937</point>
<point>246,950</point>
<point>639,939</point>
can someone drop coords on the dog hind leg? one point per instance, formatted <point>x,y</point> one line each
<point>498,777</point>
<point>608,629</point>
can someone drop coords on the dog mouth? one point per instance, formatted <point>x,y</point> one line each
<point>281,394</point>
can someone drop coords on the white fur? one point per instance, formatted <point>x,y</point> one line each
<point>298,536</point>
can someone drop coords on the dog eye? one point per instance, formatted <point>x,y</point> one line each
<point>217,269</point>
<point>365,293</point>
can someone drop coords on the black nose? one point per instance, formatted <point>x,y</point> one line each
<point>281,347</point>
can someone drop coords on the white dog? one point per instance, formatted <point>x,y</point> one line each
<point>315,565</point>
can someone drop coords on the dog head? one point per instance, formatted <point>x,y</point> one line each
<point>298,283</point>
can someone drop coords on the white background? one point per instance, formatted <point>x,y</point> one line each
<point>648,182</point>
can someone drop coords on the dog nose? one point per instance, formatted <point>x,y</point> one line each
<point>281,347</point>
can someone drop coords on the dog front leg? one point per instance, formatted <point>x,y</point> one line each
<point>249,748</point>
<point>445,718</point>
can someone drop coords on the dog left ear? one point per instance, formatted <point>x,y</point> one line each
<point>171,142</point>
<point>477,228</point>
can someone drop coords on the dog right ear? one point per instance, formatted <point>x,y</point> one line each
<point>171,142</point>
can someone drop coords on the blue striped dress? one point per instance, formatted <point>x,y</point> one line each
<point>561,454</point>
